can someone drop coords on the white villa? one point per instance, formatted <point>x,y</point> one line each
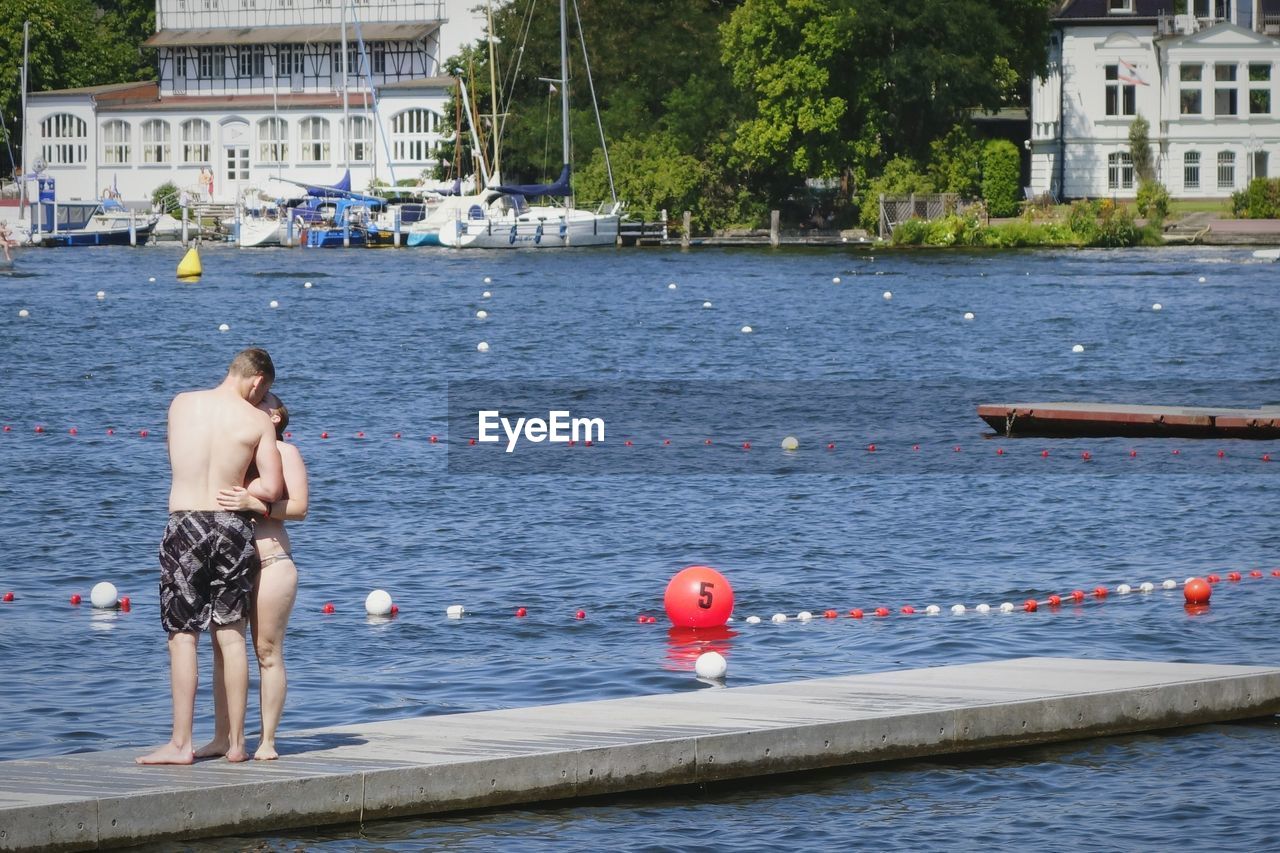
<point>254,89</point>
<point>1204,73</point>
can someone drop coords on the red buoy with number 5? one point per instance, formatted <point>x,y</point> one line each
<point>698,597</point>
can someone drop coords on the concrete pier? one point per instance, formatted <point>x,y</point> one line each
<point>361,772</point>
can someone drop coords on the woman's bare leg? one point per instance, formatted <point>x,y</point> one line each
<point>268,618</point>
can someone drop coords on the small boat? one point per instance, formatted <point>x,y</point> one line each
<point>1267,254</point>
<point>94,223</point>
<point>1093,420</point>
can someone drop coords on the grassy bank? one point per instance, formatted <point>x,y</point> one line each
<point>1085,223</point>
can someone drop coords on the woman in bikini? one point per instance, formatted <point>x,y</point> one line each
<point>274,592</point>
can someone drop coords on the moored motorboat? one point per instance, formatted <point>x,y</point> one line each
<point>96,224</point>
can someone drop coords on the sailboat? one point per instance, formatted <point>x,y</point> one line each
<point>503,219</point>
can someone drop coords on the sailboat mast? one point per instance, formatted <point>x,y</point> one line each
<point>26,167</point>
<point>346,122</point>
<point>493,99</point>
<point>564,87</point>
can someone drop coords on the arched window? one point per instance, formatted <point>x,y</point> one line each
<point>115,142</point>
<point>411,134</point>
<point>195,141</point>
<point>1119,171</point>
<point>273,141</point>
<point>1226,170</point>
<point>314,133</point>
<point>1191,170</point>
<point>155,141</point>
<point>66,139</point>
<point>360,139</point>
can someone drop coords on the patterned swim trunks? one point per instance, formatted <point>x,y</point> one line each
<point>207,568</point>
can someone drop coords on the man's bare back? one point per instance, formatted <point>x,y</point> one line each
<point>213,437</point>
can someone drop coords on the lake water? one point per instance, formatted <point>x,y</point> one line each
<point>382,340</point>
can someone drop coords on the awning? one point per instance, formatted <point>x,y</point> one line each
<point>317,33</point>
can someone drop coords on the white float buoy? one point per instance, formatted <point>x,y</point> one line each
<point>779,617</point>
<point>488,280</point>
<point>1124,589</point>
<point>671,286</point>
<point>104,595</point>
<point>481,314</point>
<point>753,620</point>
<point>378,603</point>
<point>932,610</point>
<point>968,315</point>
<point>1157,307</point>
<point>711,665</point>
<point>1202,279</point>
<point>1170,584</point>
<point>306,284</point>
<point>957,610</point>
<point>483,346</point>
<point>835,280</point>
<point>888,295</point>
<point>1006,607</point>
<point>1147,586</point>
<point>23,312</point>
<point>223,327</point>
<point>804,616</point>
<point>746,330</point>
<point>983,608</point>
<point>102,294</point>
<point>274,304</point>
<point>1078,348</point>
<point>790,444</point>
<point>153,278</point>
<point>485,295</point>
<point>706,305</point>
<point>454,611</point>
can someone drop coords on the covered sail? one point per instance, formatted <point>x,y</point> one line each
<point>559,188</point>
<point>342,186</point>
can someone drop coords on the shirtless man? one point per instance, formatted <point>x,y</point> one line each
<point>207,556</point>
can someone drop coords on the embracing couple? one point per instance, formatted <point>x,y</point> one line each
<point>225,559</point>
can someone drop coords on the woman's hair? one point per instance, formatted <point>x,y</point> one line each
<point>276,407</point>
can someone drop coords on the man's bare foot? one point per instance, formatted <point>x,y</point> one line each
<point>236,754</point>
<point>168,754</point>
<point>213,749</point>
<point>266,752</point>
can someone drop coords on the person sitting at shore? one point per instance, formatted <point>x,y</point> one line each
<point>274,590</point>
<point>6,240</point>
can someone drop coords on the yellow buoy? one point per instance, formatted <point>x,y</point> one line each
<point>190,267</point>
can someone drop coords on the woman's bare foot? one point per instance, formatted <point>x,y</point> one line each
<point>168,754</point>
<point>213,749</point>
<point>266,752</point>
<point>237,754</point>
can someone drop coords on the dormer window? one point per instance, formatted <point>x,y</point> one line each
<point>1119,7</point>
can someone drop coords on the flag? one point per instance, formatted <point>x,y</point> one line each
<point>1129,74</point>
<point>552,87</point>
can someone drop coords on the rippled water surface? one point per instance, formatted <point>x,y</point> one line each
<point>373,347</point>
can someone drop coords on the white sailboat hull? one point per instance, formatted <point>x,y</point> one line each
<point>549,228</point>
<point>259,232</point>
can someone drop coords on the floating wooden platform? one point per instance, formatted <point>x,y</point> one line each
<point>1103,419</point>
<point>361,772</point>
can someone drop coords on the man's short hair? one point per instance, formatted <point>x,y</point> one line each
<point>253,362</point>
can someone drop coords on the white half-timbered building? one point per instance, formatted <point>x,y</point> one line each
<point>1204,73</point>
<point>249,90</point>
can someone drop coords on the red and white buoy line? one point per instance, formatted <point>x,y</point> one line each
<point>1196,592</point>
<point>826,445</point>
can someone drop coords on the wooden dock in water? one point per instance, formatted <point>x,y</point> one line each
<point>1095,420</point>
<point>355,773</point>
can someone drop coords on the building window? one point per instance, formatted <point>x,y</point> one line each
<point>360,139</point>
<point>1225,97</point>
<point>1119,171</point>
<point>211,62</point>
<point>1191,102</point>
<point>1259,88</point>
<point>195,141</point>
<point>180,63</point>
<point>155,141</point>
<point>252,60</point>
<point>409,135</point>
<point>314,133</point>
<point>1226,170</point>
<point>1191,170</point>
<point>273,141</point>
<point>1121,96</point>
<point>115,143</point>
<point>288,60</point>
<point>378,57</point>
<point>353,60</point>
<point>1119,7</point>
<point>65,140</point>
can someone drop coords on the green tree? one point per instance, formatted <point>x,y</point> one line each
<point>1140,150</point>
<point>1001,167</point>
<point>955,162</point>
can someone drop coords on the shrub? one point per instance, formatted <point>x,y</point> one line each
<point>1140,150</point>
<point>955,163</point>
<point>1153,200</point>
<point>1001,167</point>
<point>901,175</point>
<point>1116,227</point>
<point>166,195</point>
<point>912,232</point>
<point>1260,200</point>
<point>1083,220</point>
